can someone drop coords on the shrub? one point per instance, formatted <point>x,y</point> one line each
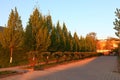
<point>57,56</point>
<point>46,56</point>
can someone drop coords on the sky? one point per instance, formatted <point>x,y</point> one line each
<point>81,16</point>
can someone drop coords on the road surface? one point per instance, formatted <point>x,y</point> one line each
<point>97,68</point>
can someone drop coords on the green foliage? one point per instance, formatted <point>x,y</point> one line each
<point>41,36</point>
<point>48,23</point>
<point>43,39</point>
<point>88,44</point>
<point>28,39</point>
<point>60,37</point>
<point>37,33</point>
<point>57,55</point>
<point>76,45</point>
<point>46,56</point>
<point>19,58</point>
<point>117,23</point>
<point>34,24</point>
<point>4,57</point>
<point>12,35</point>
<point>54,40</point>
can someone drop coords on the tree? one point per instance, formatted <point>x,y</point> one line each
<point>65,37</point>
<point>37,35</point>
<point>54,40</point>
<point>61,38</point>
<point>33,26</point>
<point>48,23</point>
<point>76,42</point>
<point>117,22</point>
<point>91,41</point>
<point>109,44</point>
<point>83,46</point>
<point>92,35</point>
<point>29,39</point>
<point>70,42</point>
<point>43,39</point>
<point>12,35</point>
<point>117,25</point>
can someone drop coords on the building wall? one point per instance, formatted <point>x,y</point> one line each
<point>105,46</point>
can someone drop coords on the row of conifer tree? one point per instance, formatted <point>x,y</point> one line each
<point>40,34</point>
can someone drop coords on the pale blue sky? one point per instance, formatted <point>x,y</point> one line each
<point>82,16</point>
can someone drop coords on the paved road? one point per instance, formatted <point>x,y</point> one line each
<point>99,68</point>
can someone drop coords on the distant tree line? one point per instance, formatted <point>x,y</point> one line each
<point>41,35</point>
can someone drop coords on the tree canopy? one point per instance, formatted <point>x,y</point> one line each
<point>117,22</point>
<point>41,35</point>
<point>12,35</point>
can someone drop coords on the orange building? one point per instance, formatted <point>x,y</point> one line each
<point>106,45</point>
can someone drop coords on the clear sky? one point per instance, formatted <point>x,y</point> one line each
<point>81,16</point>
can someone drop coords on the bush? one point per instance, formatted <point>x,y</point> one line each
<point>100,54</point>
<point>46,56</point>
<point>20,57</point>
<point>57,56</point>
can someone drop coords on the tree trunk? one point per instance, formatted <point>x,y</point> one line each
<point>11,52</point>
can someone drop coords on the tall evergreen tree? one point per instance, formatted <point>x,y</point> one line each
<point>117,23</point>
<point>43,39</point>
<point>91,41</point>
<point>48,23</point>
<point>65,38</point>
<point>60,37</point>
<point>54,40</point>
<point>12,35</point>
<point>34,23</point>
<point>70,42</point>
<point>29,39</point>
<point>76,42</point>
<point>83,46</point>
<point>37,34</point>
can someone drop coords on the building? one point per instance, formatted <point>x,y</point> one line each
<point>106,45</point>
